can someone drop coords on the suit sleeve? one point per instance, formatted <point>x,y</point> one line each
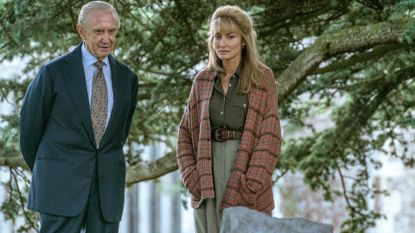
<point>185,152</point>
<point>133,105</point>
<point>34,114</point>
<point>258,178</point>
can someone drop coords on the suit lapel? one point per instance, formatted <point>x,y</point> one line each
<point>116,89</point>
<point>75,81</point>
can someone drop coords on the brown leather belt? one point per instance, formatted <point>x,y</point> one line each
<point>223,134</point>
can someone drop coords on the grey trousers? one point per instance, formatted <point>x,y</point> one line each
<point>208,216</point>
<point>90,220</point>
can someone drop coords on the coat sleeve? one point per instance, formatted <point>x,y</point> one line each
<point>34,114</point>
<point>258,178</point>
<point>133,105</point>
<point>186,153</point>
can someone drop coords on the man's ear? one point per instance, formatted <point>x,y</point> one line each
<point>81,31</point>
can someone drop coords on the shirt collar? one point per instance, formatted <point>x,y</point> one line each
<point>88,58</point>
<point>238,72</point>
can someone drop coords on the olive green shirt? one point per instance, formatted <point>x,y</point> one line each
<point>228,110</point>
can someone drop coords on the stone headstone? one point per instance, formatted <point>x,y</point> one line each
<point>244,220</point>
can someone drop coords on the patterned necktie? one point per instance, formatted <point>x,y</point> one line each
<point>99,103</point>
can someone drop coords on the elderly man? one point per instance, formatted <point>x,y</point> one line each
<point>74,122</point>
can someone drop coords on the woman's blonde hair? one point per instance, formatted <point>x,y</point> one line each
<point>234,19</point>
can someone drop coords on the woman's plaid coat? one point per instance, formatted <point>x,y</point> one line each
<point>250,183</point>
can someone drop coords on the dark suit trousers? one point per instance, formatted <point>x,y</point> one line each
<point>90,220</point>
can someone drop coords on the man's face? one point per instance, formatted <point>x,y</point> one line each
<point>99,33</point>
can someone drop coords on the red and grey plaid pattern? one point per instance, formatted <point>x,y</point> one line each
<point>250,183</point>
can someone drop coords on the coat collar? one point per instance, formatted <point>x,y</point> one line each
<point>74,76</point>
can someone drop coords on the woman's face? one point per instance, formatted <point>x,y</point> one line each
<point>228,46</point>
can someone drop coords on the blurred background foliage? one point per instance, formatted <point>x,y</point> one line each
<point>353,104</point>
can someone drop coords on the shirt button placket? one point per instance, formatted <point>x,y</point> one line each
<point>222,113</point>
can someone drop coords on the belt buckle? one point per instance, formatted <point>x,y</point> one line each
<point>218,135</point>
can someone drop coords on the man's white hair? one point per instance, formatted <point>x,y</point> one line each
<point>96,5</point>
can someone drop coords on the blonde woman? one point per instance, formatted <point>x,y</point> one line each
<point>229,135</point>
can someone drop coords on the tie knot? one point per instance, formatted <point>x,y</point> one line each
<point>99,64</point>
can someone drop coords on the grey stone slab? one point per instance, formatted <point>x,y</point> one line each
<point>244,220</point>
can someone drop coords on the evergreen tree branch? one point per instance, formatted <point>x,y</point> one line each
<point>329,45</point>
<point>360,58</point>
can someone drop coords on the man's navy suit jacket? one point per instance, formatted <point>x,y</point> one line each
<point>57,139</point>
